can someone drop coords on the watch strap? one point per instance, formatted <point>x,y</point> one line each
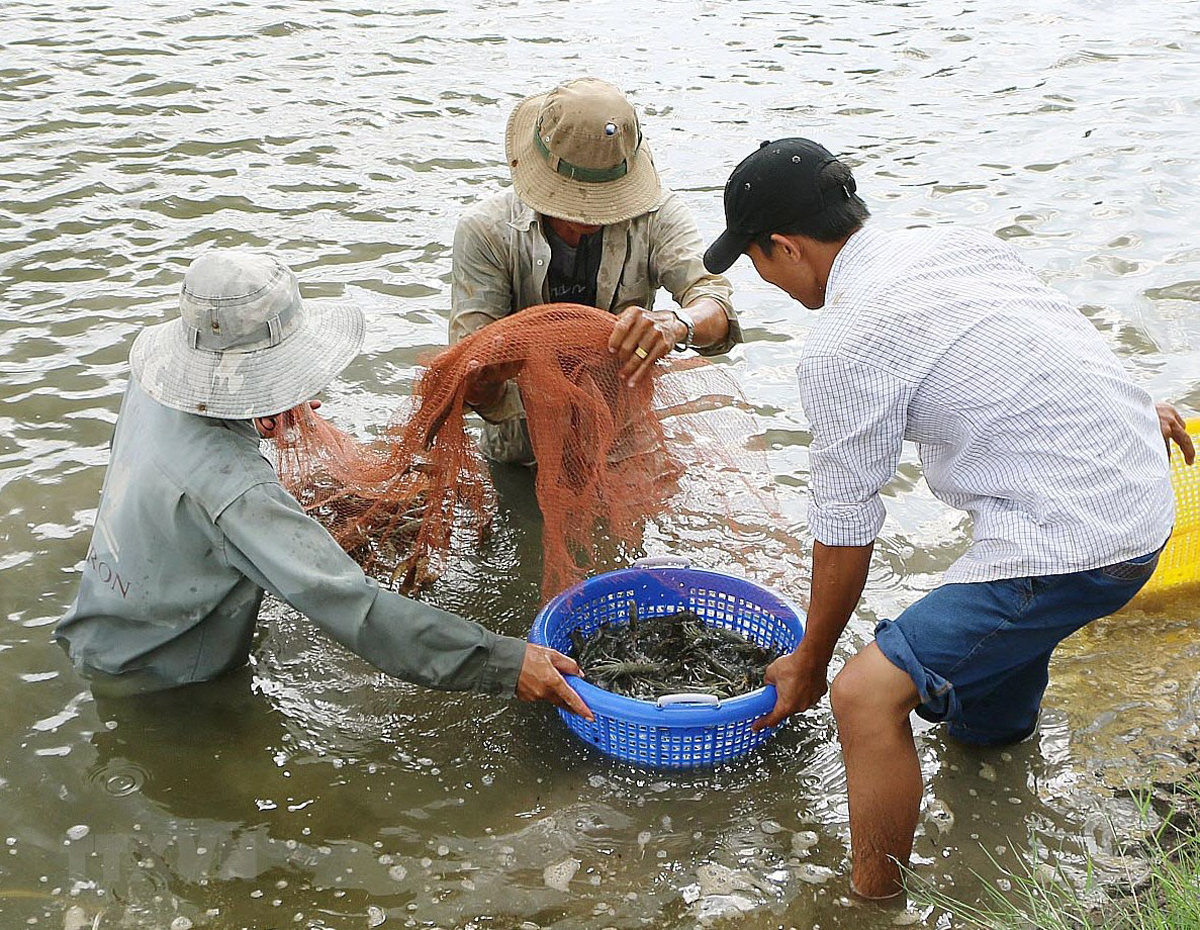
<point>689,337</point>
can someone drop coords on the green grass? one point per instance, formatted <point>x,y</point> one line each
<point>1168,898</point>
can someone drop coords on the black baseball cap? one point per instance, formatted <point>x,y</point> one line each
<point>772,189</point>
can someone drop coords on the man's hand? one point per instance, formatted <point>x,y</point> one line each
<point>641,337</point>
<point>485,383</point>
<point>799,680</point>
<point>484,388</point>
<point>839,573</point>
<point>542,680</point>
<point>1174,428</point>
<point>267,426</point>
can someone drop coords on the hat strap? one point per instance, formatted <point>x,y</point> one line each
<point>268,334</point>
<point>578,172</point>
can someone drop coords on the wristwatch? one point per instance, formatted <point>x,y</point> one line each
<point>689,337</point>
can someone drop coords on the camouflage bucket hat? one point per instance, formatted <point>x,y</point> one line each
<point>245,345</point>
<point>577,153</point>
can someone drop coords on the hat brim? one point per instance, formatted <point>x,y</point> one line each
<point>543,189</point>
<point>235,385</point>
<point>726,250</point>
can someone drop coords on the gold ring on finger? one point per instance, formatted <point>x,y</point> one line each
<point>640,352</point>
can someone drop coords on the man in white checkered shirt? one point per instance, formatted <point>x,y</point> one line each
<point>1022,417</point>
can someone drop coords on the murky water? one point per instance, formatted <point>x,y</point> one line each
<point>312,792</point>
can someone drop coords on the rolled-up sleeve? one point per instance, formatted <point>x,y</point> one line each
<point>481,292</point>
<point>676,261</point>
<point>480,281</point>
<point>858,415</point>
<point>270,539</point>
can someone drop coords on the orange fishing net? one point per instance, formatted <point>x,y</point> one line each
<point>610,458</point>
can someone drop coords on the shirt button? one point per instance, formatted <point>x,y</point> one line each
<point>540,262</point>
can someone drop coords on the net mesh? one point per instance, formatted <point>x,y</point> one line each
<point>611,459</point>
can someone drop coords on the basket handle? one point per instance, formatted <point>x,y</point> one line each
<point>687,697</point>
<point>662,561</point>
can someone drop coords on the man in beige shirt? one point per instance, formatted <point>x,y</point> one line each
<point>586,221</point>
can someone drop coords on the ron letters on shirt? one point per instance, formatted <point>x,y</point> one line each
<point>107,574</point>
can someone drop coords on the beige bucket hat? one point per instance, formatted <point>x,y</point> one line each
<point>245,345</point>
<point>577,153</point>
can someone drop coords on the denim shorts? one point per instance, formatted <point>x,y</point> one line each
<point>979,653</point>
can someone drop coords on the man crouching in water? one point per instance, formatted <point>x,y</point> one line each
<point>194,525</point>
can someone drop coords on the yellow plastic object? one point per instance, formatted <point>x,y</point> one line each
<point>1179,563</point>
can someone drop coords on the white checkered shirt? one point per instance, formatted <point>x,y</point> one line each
<point>1021,414</point>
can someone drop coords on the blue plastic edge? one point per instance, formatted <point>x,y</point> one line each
<point>733,710</point>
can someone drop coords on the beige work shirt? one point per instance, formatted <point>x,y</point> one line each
<point>500,261</point>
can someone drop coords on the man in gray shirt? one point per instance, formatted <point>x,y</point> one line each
<point>193,524</point>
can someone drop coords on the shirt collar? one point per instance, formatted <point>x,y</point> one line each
<point>853,254</point>
<point>525,218</point>
<point>522,217</point>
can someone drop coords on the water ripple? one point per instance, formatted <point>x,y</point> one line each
<point>134,135</point>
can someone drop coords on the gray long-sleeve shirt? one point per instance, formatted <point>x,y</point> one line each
<point>194,525</point>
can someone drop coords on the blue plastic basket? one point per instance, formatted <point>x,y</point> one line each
<point>684,730</point>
